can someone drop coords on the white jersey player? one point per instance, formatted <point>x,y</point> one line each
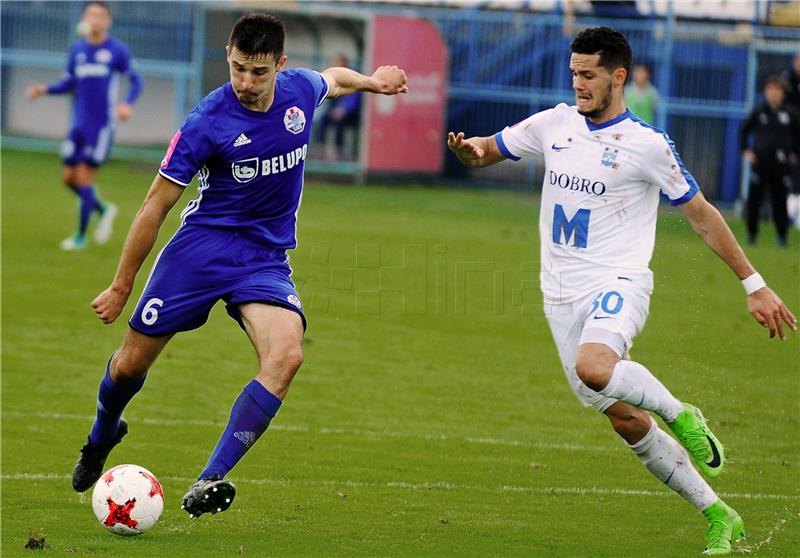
<point>604,171</point>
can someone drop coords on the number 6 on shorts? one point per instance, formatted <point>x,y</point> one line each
<point>150,310</point>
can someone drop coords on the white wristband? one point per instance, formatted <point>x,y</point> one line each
<point>753,283</point>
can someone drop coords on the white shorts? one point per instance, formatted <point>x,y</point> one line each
<point>613,315</point>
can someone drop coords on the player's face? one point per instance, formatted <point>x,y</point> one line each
<point>774,94</point>
<point>253,76</point>
<point>593,85</point>
<point>97,18</point>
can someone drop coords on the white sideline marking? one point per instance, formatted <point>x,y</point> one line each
<point>376,434</point>
<point>327,430</point>
<point>563,490</point>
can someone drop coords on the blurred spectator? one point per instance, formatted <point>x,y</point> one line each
<point>342,113</point>
<point>792,78</point>
<point>641,96</point>
<point>775,146</point>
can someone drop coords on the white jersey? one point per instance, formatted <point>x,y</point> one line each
<point>599,198</point>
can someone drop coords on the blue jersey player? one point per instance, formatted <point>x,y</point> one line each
<point>247,141</point>
<point>92,75</point>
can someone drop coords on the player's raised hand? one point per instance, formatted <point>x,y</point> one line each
<point>468,152</point>
<point>124,112</point>
<point>390,80</point>
<point>109,304</point>
<point>36,90</point>
<point>770,311</point>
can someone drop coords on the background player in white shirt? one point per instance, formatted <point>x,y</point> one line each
<point>604,169</point>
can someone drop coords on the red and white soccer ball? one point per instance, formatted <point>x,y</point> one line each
<point>128,500</point>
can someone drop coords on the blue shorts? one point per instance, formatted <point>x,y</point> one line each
<point>201,265</point>
<point>89,145</point>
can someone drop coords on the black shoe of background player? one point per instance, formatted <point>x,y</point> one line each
<point>90,464</point>
<point>208,495</point>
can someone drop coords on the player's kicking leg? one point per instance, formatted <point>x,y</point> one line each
<point>666,460</point>
<point>600,368</point>
<point>125,375</point>
<point>276,334</point>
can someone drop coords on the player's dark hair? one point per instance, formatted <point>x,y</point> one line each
<point>258,34</point>
<point>100,3</point>
<point>610,44</point>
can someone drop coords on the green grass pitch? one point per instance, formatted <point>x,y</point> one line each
<point>431,417</point>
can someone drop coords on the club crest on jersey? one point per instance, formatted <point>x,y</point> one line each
<point>295,120</point>
<point>294,300</point>
<point>610,157</point>
<point>245,170</point>
<point>103,56</point>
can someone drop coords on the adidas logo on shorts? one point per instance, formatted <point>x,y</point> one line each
<point>242,140</point>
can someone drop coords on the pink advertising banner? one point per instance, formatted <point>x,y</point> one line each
<point>406,132</point>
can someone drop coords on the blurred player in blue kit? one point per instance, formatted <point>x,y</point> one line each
<point>340,114</point>
<point>604,169</point>
<point>247,141</point>
<point>92,75</point>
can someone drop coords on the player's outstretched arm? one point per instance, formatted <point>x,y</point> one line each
<point>476,151</point>
<point>765,306</point>
<point>386,80</point>
<point>35,91</point>
<point>142,236</point>
<point>124,111</point>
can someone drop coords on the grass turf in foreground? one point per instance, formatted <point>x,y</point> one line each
<point>430,418</point>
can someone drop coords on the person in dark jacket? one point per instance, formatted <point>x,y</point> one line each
<point>770,142</point>
<point>792,77</point>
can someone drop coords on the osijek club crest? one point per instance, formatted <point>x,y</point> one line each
<point>610,157</point>
<point>294,120</point>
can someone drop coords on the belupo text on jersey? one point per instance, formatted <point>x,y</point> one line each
<point>246,170</point>
<point>577,183</point>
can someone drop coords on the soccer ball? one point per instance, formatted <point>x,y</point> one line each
<point>128,500</point>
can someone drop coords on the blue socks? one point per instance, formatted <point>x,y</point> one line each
<point>250,416</point>
<point>89,203</point>
<point>111,401</point>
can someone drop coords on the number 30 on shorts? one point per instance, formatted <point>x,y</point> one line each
<point>610,303</point>
<point>150,310</point>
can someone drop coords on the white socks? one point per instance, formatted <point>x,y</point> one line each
<point>634,384</point>
<point>670,464</point>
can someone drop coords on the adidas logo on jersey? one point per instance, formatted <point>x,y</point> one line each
<point>242,140</point>
<point>247,438</point>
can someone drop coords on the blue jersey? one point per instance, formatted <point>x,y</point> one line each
<point>92,74</point>
<point>250,163</point>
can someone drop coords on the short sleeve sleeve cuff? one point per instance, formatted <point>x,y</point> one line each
<point>693,189</point>
<point>501,145</point>
<point>171,179</point>
<point>326,87</point>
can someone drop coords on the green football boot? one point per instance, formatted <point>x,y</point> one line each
<point>703,447</point>
<point>725,527</point>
